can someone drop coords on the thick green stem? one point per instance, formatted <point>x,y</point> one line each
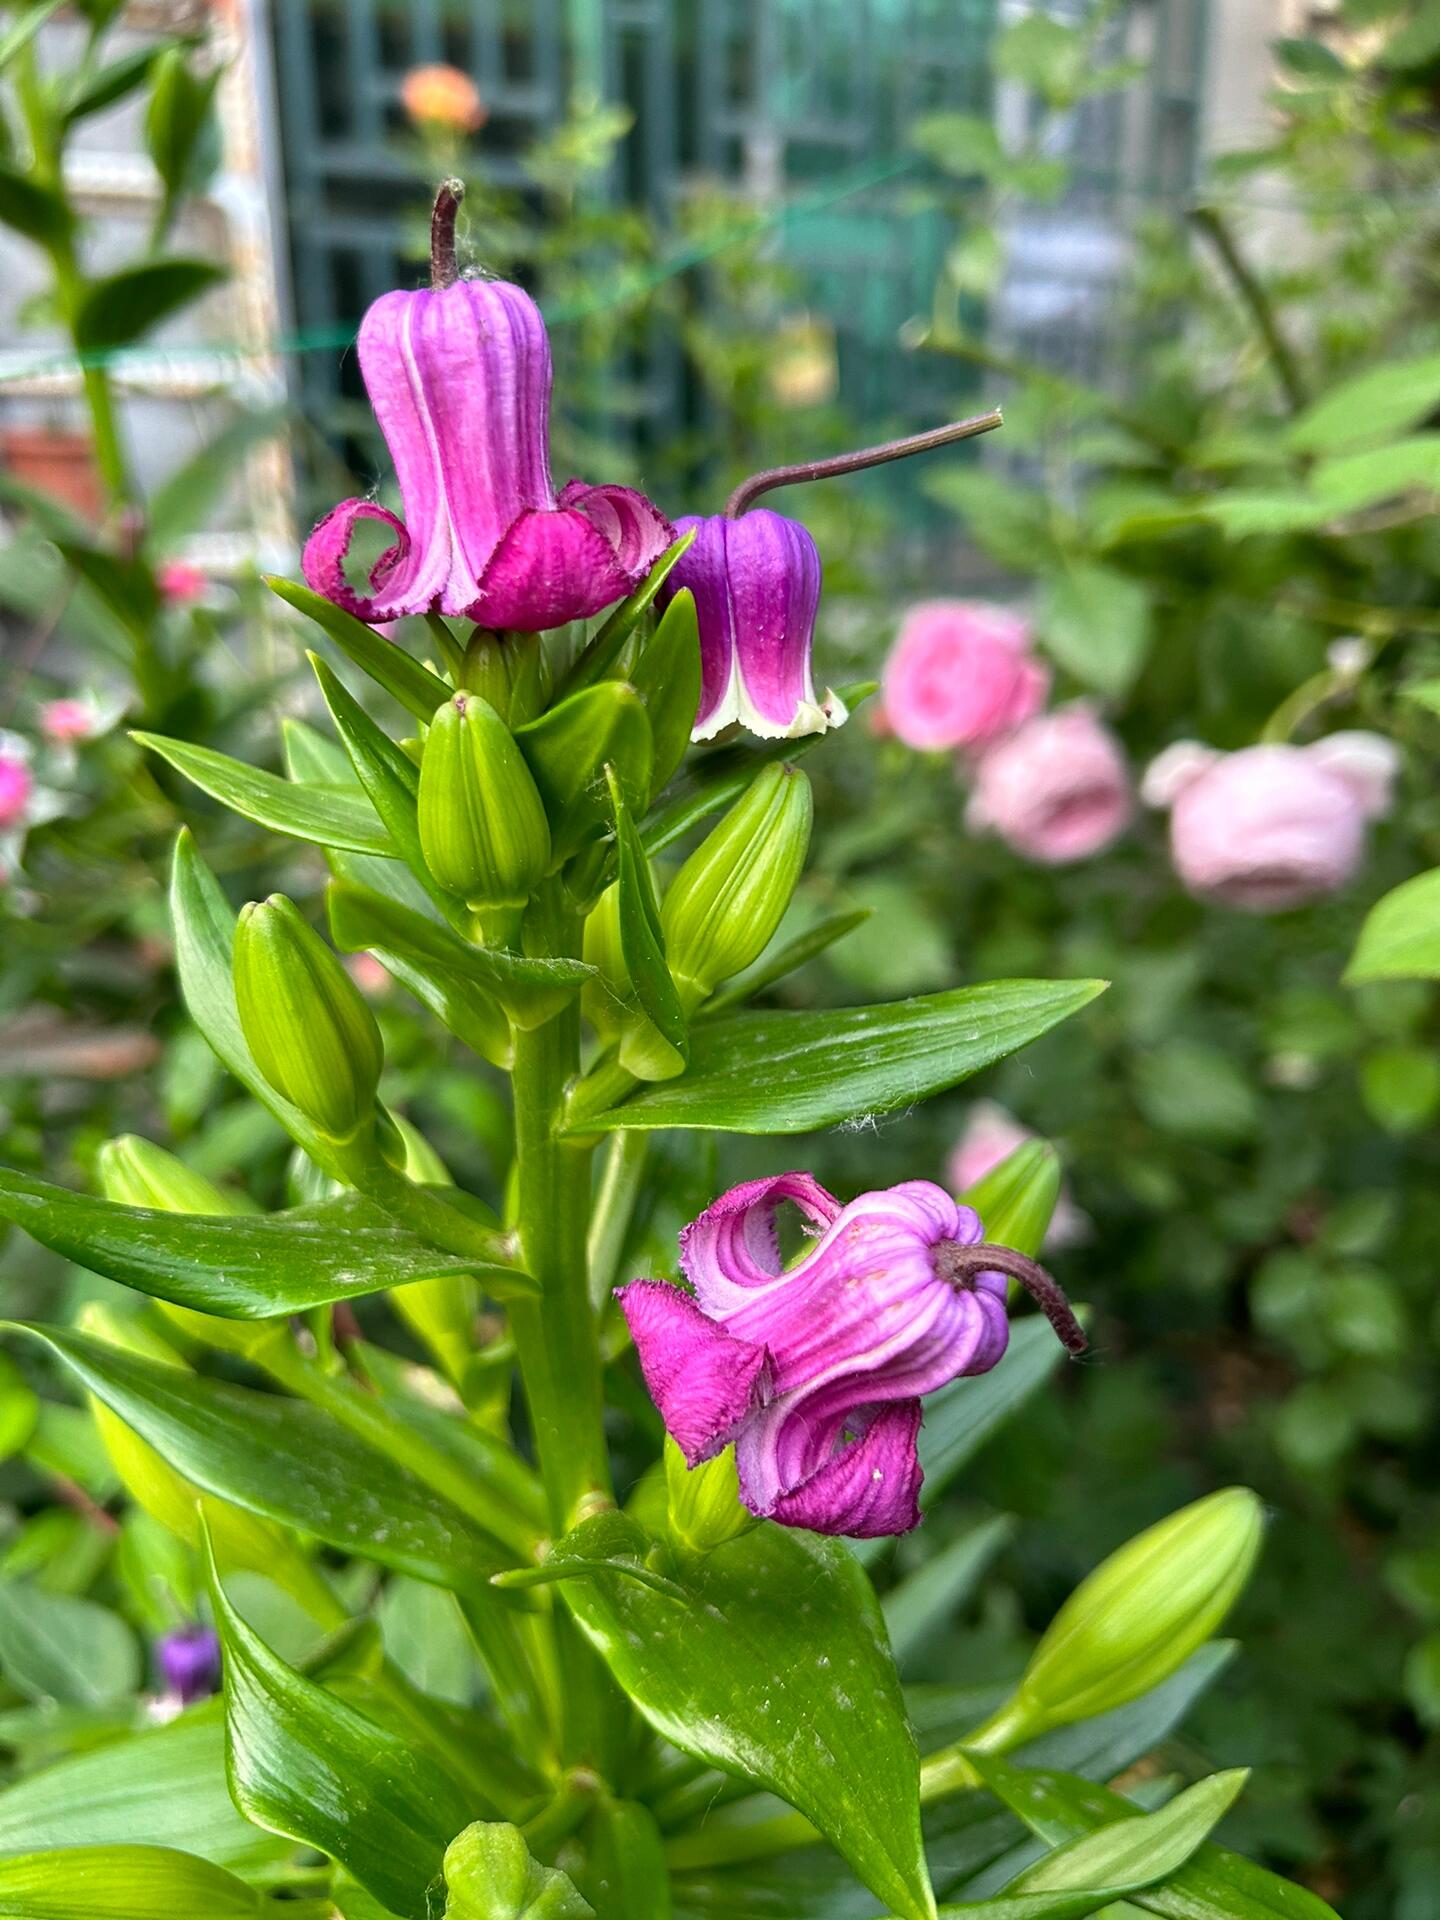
<point>556,1336</point>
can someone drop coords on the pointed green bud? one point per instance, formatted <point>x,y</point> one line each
<point>1136,1619</point>
<point>483,829</point>
<point>605,1000</point>
<point>506,669</point>
<point>137,1173</point>
<point>304,1019</point>
<point>705,1509</point>
<point>1015,1200</point>
<point>731,894</point>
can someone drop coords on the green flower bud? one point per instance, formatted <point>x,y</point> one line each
<point>1136,1619</point>
<point>604,1000</point>
<point>506,669</point>
<point>1016,1199</point>
<point>137,1173</point>
<point>311,1033</point>
<point>731,894</point>
<point>705,1508</point>
<point>482,824</point>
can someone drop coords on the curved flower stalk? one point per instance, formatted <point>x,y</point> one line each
<point>459,376</point>
<point>817,1372</point>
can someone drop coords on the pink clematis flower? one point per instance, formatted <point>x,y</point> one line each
<point>1273,826</point>
<point>1056,790</point>
<point>459,376</point>
<point>961,676</point>
<point>756,582</point>
<point>17,784</point>
<point>816,1372</point>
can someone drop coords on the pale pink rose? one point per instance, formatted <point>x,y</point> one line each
<point>960,675</point>
<point>16,786</point>
<point>991,1134</point>
<point>1274,826</point>
<point>1056,790</point>
<point>369,975</point>
<point>180,582</point>
<point>65,721</point>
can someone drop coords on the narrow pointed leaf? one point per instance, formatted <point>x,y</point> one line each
<point>609,642</point>
<point>641,939</point>
<point>1134,1853</point>
<point>134,1883</point>
<point>793,955</point>
<point>667,678</point>
<point>568,749</point>
<point>387,664</point>
<point>796,1072</point>
<point>242,1267</point>
<point>284,1459</point>
<point>327,816</point>
<point>778,1670</point>
<point>302,1762</point>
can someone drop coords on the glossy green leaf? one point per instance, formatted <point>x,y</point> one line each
<point>429,961</point>
<point>1095,622</point>
<point>302,1762</point>
<point>668,679</point>
<point>1033,1906</point>
<point>286,1460</point>
<point>796,1072</point>
<point>788,959</point>
<point>1016,1199</point>
<point>777,1670</point>
<point>1400,939</point>
<point>204,926</point>
<point>1374,405</point>
<point>568,748</point>
<point>387,664</point>
<point>134,1883</point>
<point>609,642</point>
<point>327,816</point>
<point>1212,1885</point>
<point>242,1267</point>
<point>625,1871</point>
<point>57,1646</point>
<point>641,939</point>
<point>490,1874</point>
<point>1134,1853</point>
<point>120,309</point>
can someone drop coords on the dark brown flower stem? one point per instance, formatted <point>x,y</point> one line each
<point>444,267</point>
<point>961,1266</point>
<point>749,491</point>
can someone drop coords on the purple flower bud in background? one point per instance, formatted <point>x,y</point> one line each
<point>189,1662</point>
<point>459,376</point>
<point>816,1371</point>
<point>1275,826</point>
<point>756,582</point>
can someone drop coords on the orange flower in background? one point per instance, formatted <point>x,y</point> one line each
<point>442,97</point>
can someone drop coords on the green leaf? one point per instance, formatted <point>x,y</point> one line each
<point>1016,1198</point>
<point>794,954</point>
<point>777,1670</point>
<point>1353,481</point>
<point>242,1267</point>
<point>491,1875</point>
<point>667,678</point>
<point>534,990</point>
<point>387,664</point>
<point>204,947</point>
<point>37,211</point>
<point>1400,939</point>
<point>361,920</point>
<point>18,35</point>
<point>55,1646</point>
<point>1033,1906</point>
<point>180,131</point>
<point>134,1883</point>
<point>94,91</point>
<point>568,749</point>
<point>796,1072</point>
<point>1095,622</point>
<point>1374,405</point>
<point>117,311</point>
<point>941,1586</point>
<point>1134,1853</point>
<point>327,816</point>
<point>609,642</point>
<point>642,940</point>
<point>301,1762</point>
<point>1212,1885</point>
<point>285,1460</point>
<point>625,1867</point>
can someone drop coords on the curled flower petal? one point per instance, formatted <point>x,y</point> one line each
<point>703,1381</point>
<point>733,1246</point>
<point>866,1489</point>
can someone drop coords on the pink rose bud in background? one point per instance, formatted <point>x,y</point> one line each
<point>991,1134</point>
<point>1273,826</point>
<point>369,974</point>
<point>65,721</point>
<point>16,786</point>
<point>961,675</point>
<point>1056,790</point>
<point>180,582</point>
<point>442,97</point>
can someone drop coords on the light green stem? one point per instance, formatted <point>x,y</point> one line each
<point>614,1207</point>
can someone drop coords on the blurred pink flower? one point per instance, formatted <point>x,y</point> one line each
<point>17,783</point>
<point>180,582</point>
<point>991,1134</point>
<point>369,975</point>
<point>63,721</point>
<point>1273,826</point>
<point>961,675</point>
<point>1056,790</point>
